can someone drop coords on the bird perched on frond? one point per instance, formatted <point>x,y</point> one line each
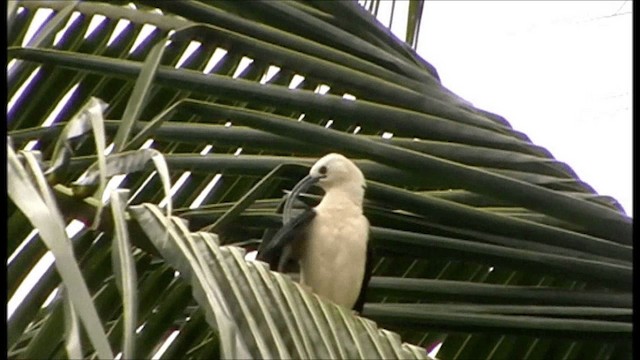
<point>329,242</point>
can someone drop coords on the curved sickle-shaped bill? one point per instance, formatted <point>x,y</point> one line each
<point>300,187</point>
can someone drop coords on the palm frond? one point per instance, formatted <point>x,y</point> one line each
<point>487,245</point>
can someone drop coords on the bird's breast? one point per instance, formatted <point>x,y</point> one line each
<point>334,254</point>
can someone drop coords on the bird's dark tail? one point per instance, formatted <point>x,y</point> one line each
<point>368,269</point>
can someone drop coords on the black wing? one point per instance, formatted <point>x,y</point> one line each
<point>368,269</point>
<point>274,246</point>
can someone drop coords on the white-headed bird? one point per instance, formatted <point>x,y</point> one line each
<point>330,242</point>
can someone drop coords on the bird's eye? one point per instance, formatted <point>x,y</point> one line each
<point>323,170</point>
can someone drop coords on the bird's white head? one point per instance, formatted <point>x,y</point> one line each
<point>333,173</point>
<point>336,171</point>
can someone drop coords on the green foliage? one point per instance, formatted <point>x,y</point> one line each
<point>484,241</point>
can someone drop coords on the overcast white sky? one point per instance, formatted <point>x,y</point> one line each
<point>559,71</point>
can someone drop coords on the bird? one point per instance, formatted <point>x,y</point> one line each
<point>329,243</point>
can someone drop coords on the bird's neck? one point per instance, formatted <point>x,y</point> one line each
<point>343,198</point>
